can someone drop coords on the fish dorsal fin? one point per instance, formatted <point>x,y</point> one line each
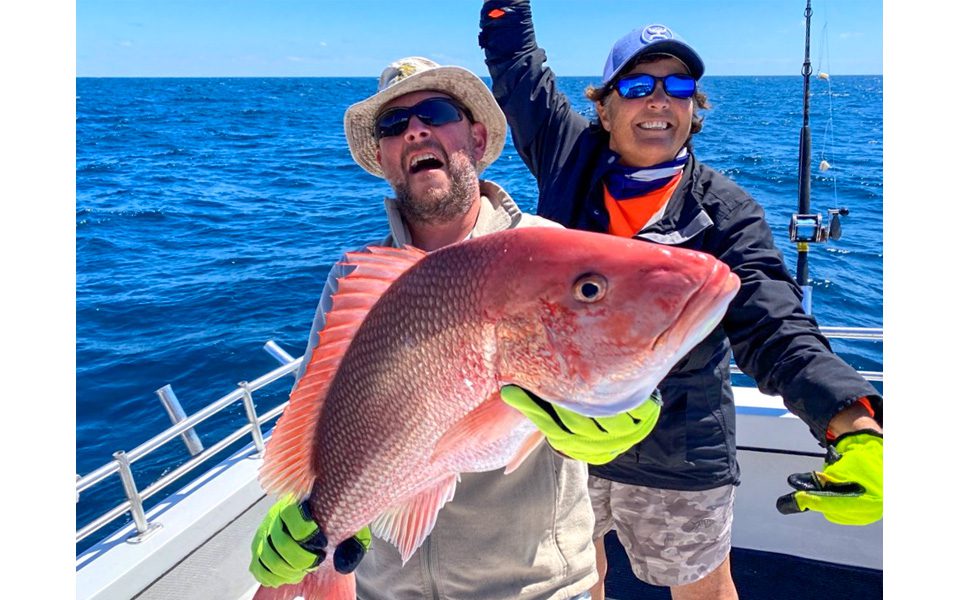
<point>407,525</point>
<point>288,465</point>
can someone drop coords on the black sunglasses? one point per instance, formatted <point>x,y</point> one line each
<point>432,111</point>
<point>642,85</point>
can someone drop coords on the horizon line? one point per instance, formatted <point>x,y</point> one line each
<point>377,76</point>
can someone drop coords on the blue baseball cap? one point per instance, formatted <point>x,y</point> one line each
<point>652,39</point>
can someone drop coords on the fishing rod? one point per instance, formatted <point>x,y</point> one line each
<point>807,227</point>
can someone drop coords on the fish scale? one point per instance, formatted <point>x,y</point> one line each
<point>402,392</point>
<point>390,359</point>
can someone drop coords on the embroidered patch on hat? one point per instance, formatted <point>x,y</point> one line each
<point>406,69</point>
<point>652,33</point>
<point>396,73</point>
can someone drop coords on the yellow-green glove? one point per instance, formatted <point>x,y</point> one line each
<point>289,544</point>
<point>849,490</point>
<point>593,440</point>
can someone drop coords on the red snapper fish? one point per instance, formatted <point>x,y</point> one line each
<point>401,394</point>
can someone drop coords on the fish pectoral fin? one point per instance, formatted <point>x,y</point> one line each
<point>529,445</point>
<point>408,524</point>
<point>485,425</point>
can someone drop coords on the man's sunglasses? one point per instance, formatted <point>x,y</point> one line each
<point>432,111</point>
<point>642,85</point>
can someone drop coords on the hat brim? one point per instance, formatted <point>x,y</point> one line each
<point>682,51</point>
<point>457,82</point>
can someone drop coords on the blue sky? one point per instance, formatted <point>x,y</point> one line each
<point>158,38</point>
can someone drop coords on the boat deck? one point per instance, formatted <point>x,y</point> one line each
<point>200,550</point>
<point>757,575</point>
<point>217,569</point>
<point>211,572</point>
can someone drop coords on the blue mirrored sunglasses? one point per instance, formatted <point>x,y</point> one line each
<point>432,111</point>
<point>641,85</point>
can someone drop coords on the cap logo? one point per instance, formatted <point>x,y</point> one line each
<point>653,33</point>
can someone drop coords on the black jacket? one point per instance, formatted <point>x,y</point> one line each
<point>693,446</point>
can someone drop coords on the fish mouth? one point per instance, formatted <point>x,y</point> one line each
<point>702,312</point>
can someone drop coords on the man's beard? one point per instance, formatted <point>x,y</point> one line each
<point>435,206</point>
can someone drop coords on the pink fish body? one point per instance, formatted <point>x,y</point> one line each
<point>402,392</point>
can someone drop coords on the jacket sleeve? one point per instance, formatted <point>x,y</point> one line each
<point>773,339</point>
<point>544,126</point>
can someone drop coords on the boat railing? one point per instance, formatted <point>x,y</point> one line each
<point>847,333</point>
<point>183,428</point>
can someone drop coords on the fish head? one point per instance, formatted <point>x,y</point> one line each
<point>593,322</point>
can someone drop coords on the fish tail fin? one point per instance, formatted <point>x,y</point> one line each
<point>324,584</point>
<point>288,465</point>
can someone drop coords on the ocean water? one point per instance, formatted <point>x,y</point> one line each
<point>209,211</point>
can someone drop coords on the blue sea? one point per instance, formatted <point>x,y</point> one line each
<point>209,211</point>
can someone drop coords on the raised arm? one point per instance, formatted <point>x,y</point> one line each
<point>544,126</point>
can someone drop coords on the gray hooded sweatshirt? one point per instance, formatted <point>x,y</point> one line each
<point>526,535</point>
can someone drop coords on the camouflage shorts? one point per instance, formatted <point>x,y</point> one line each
<point>672,537</point>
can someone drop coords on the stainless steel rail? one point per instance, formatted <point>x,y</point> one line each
<point>847,333</point>
<point>854,333</point>
<point>120,465</point>
<point>244,394</point>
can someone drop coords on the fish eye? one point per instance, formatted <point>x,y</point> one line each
<point>590,288</point>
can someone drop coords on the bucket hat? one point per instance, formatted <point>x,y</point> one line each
<point>413,74</point>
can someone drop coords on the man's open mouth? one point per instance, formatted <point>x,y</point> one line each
<point>425,161</point>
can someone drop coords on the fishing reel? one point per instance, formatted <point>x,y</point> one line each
<point>810,227</point>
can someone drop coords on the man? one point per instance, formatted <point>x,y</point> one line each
<point>429,130</point>
<point>633,173</point>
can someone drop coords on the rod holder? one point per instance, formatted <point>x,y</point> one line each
<point>175,411</point>
<point>274,350</point>
<point>252,417</point>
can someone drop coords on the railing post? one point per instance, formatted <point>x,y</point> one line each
<point>144,528</point>
<point>175,411</point>
<point>252,417</point>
